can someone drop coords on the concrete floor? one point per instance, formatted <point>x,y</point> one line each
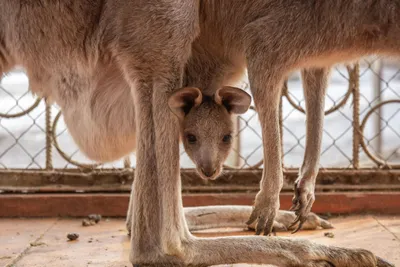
<point>43,242</point>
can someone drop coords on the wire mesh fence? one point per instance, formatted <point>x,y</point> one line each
<point>361,128</point>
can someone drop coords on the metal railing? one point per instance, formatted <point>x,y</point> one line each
<point>361,142</point>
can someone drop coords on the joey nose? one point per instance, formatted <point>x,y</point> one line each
<point>208,171</point>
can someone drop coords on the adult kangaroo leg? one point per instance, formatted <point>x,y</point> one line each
<point>266,81</point>
<point>285,252</point>
<point>315,82</point>
<point>153,52</point>
<point>158,228</point>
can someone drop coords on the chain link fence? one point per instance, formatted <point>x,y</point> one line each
<point>361,130</point>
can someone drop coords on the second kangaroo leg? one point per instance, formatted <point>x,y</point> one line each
<point>266,84</point>
<point>315,82</point>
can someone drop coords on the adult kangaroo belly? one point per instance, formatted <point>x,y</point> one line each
<point>102,122</point>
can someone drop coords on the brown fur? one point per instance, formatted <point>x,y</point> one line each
<point>67,46</point>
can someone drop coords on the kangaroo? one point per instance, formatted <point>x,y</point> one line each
<point>64,44</point>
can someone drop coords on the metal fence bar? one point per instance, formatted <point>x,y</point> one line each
<point>355,85</point>
<point>49,134</point>
<point>377,68</point>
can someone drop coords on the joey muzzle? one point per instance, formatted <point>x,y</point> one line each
<point>208,170</point>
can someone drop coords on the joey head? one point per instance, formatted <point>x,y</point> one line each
<point>206,124</point>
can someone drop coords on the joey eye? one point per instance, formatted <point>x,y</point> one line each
<point>227,138</point>
<point>191,138</point>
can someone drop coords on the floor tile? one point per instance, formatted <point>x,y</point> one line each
<point>17,236</point>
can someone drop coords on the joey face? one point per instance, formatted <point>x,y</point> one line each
<point>206,125</point>
<point>206,133</point>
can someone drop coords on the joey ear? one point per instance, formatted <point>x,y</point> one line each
<point>234,99</point>
<point>183,100</point>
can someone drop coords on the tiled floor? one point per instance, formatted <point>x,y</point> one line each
<point>43,242</point>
